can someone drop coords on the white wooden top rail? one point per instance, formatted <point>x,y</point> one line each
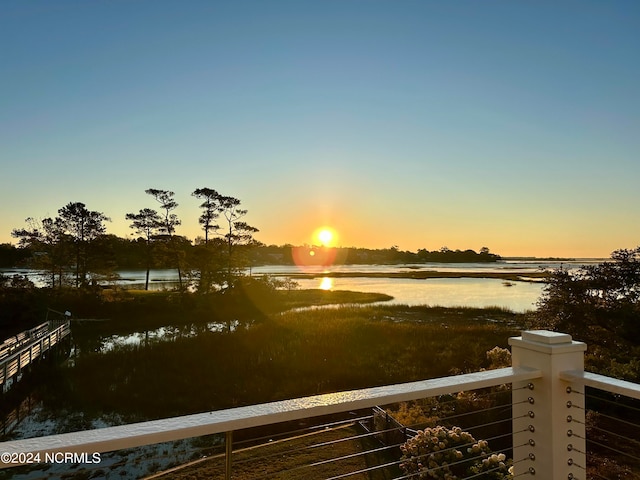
<point>602,382</point>
<point>177,428</point>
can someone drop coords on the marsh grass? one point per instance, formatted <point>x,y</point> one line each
<point>129,311</point>
<point>287,300</point>
<point>287,355</point>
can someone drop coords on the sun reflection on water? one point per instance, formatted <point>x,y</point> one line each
<point>326,283</point>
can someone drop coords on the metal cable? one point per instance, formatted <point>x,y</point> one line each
<point>301,467</point>
<point>279,454</point>
<point>626,422</point>
<point>623,437</point>
<point>364,470</point>
<point>366,452</point>
<point>324,444</point>
<point>475,412</point>
<point>375,433</point>
<point>324,462</point>
<point>620,452</point>
<point>482,474</point>
<point>316,427</point>
<point>478,397</point>
<point>360,453</point>
<point>466,460</point>
<point>611,402</point>
<point>398,462</point>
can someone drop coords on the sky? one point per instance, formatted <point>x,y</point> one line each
<point>416,124</point>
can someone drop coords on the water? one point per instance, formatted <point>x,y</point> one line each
<point>445,292</point>
<point>505,266</point>
<point>163,334</point>
<point>520,296</point>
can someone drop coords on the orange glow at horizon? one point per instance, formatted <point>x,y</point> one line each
<point>322,251</point>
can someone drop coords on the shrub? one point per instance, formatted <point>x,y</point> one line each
<point>499,358</point>
<point>451,454</point>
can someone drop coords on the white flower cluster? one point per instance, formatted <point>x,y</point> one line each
<point>496,463</point>
<point>499,357</point>
<point>450,454</point>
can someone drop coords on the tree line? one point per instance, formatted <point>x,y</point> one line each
<point>75,249</point>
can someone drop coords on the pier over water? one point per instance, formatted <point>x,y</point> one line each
<point>20,351</point>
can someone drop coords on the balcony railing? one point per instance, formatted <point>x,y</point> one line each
<point>548,424</point>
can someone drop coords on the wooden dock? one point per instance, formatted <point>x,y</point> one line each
<point>20,351</point>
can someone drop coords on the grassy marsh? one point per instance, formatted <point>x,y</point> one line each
<point>285,355</point>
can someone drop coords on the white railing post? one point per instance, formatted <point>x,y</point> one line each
<point>548,437</point>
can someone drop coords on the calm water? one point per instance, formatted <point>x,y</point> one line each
<point>448,292</point>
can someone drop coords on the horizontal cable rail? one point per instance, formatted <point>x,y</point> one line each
<point>612,423</point>
<point>178,428</point>
<point>364,451</point>
<point>570,424</point>
<point>314,453</point>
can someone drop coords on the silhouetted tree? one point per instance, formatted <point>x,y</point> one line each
<point>207,258</point>
<point>83,226</point>
<point>209,261</point>
<point>52,240</point>
<point>50,247</point>
<point>596,303</point>
<point>238,234</point>
<point>167,203</point>
<point>168,224</point>
<point>210,210</point>
<point>146,223</point>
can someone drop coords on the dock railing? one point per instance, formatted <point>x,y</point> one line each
<point>548,421</point>
<point>20,351</point>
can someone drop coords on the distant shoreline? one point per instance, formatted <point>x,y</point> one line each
<point>546,259</point>
<point>425,275</point>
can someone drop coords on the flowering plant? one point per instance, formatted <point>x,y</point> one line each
<point>451,454</point>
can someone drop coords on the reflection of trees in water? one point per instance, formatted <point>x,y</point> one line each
<point>96,344</point>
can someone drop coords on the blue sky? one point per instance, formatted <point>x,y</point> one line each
<point>512,125</point>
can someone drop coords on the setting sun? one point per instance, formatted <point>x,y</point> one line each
<point>325,236</point>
